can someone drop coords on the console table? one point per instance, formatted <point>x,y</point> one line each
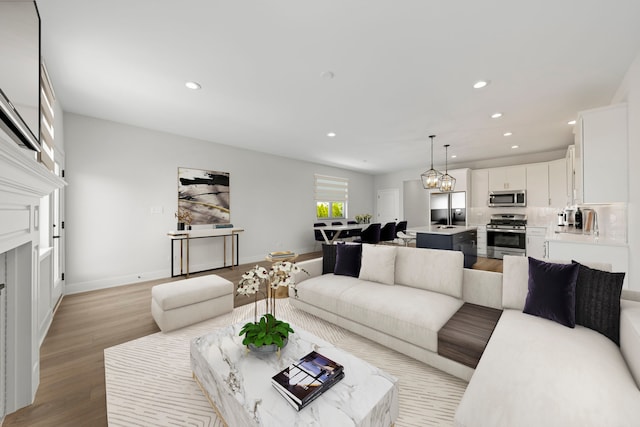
<point>187,235</point>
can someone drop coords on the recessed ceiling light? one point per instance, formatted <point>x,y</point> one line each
<point>515,146</point>
<point>453,156</point>
<point>331,134</point>
<point>327,75</point>
<point>496,115</point>
<point>572,122</point>
<point>193,85</point>
<point>508,134</point>
<point>480,84</point>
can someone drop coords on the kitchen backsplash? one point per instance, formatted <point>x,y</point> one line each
<point>612,219</point>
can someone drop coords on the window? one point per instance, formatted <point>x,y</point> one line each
<point>47,100</point>
<point>331,195</point>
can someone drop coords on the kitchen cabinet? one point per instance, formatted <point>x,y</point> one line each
<point>537,184</point>
<point>479,188</point>
<point>462,176</point>
<point>570,163</point>
<point>536,242</point>
<point>507,178</point>
<point>591,251</point>
<point>482,240</point>
<point>558,184</point>
<point>601,160</point>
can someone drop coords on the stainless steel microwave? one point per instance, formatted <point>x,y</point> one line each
<point>510,198</point>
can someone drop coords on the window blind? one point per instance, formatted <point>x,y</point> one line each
<point>331,188</point>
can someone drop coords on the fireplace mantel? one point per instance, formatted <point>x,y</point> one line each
<point>23,182</point>
<point>21,173</point>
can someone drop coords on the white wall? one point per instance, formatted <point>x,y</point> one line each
<point>117,173</point>
<point>629,91</point>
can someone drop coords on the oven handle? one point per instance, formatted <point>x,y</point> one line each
<point>499,230</point>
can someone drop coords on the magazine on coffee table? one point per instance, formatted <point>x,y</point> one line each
<point>306,379</point>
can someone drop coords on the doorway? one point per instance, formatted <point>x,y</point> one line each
<point>388,205</point>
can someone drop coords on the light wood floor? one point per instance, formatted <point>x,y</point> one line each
<point>488,264</point>
<point>72,386</point>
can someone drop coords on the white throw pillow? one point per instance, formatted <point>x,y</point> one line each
<point>378,264</point>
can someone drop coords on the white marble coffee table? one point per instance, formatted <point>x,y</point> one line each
<point>238,384</point>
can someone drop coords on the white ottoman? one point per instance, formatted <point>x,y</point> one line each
<point>185,302</point>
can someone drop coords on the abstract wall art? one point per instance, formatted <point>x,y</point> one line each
<point>205,194</point>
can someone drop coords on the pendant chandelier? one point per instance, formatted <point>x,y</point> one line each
<point>446,183</point>
<point>431,178</point>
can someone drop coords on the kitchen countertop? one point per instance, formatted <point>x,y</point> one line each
<point>433,229</point>
<point>572,235</point>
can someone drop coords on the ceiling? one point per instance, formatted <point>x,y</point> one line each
<point>402,70</point>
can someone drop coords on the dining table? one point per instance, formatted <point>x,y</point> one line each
<point>337,231</point>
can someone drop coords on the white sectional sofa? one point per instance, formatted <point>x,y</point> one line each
<point>533,372</point>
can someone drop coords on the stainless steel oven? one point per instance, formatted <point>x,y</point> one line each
<point>506,235</point>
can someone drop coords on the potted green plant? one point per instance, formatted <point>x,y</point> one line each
<point>267,334</point>
<point>269,331</point>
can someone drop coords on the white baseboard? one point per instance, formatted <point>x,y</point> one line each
<point>111,282</point>
<point>129,279</point>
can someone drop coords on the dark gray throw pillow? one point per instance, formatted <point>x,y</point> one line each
<point>348,259</point>
<point>598,301</point>
<point>328,258</point>
<point>552,291</point>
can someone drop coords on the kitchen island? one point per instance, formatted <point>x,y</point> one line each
<point>449,237</point>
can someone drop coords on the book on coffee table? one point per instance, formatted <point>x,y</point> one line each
<point>312,397</point>
<point>303,381</point>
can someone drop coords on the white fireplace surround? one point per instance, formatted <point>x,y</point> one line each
<point>23,182</point>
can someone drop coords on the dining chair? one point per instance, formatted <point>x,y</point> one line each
<point>318,234</point>
<point>353,233</point>
<point>371,234</point>
<point>406,238</point>
<point>388,232</point>
<point>401,226</point>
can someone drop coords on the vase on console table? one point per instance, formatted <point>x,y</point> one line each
<point>181,226</point>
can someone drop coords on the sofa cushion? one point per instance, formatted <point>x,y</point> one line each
<point>515,279</point>
<point>410,314</point>
<point>598,301</point>
<point>325,291</point>
<point>630,336</point>
<point>552,291</point>
<point>535,372</point>
<point>431,269</point>
<point>378,263</point>
<point>348,259</point>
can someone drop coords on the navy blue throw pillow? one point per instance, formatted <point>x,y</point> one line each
<point>552,291</point>
<point>598,301</point>
<point>348,260</point>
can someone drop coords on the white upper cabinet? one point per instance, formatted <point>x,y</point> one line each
<point>462,178</point>
<point>558,183</point>
<point>537,184</point>
<point>479,188</point>
<point>601,160</point>
<point>507,178</point>
<point>570,161</point>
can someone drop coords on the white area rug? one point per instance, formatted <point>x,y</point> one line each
<point>149,380</point>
